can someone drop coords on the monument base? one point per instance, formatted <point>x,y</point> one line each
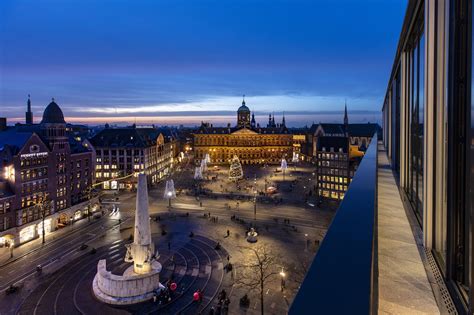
<point>131,288</point>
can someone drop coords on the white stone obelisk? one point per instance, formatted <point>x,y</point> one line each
<point>142,250</point>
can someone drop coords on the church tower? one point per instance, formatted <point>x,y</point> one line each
<point>29,113</point>
<point>346,119</point>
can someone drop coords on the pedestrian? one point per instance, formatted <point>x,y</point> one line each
<point>228,233</point>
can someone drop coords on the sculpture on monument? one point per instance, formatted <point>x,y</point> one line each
<point>141,280</point>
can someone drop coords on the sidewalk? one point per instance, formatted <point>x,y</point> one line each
<point>36,244</point>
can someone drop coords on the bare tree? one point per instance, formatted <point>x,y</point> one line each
<point>259,267</point>
<point>44,206</point>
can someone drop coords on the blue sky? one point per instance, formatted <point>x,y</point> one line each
<point>186,61</point>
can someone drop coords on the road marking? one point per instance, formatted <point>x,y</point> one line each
<point>208,269</point>
<point>114,256</point>
<point>113,246</point>
<point>272,305</point>
<point>195,272</point>
<point>115,242</point>
<point>220,266</point>
<point>114,251</point>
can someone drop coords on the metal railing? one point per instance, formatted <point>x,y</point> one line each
<point>341,279</point>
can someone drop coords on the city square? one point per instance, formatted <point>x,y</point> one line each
<point>222,213</point>
<point>237,157</point>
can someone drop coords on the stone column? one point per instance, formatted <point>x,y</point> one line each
<point>142,249</point>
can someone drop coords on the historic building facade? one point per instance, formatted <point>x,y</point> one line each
<point>41,162</point>
<point>252,143</point>
<point>334,168</point>
<point>123,153</point>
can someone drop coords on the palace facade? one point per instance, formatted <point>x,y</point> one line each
<point>252,143</point>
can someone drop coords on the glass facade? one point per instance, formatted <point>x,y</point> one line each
<point>435,136</point>
<point>415,109</point>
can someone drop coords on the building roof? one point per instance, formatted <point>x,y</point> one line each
<point>333,128</point>
<point>209,129</point>
<point>363,130</point>
<point>355,130</point>
<point>14,138</point>
<point>53,114</point>
<point>333,142</point>
<point>130,137</point>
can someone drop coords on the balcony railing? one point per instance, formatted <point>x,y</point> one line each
<point>341,277</point>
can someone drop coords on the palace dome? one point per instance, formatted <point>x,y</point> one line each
<point>243,108</point>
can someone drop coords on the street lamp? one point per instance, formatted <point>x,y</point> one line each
<point>170,192</point>
<point>12,244</point>
<point>255,199</point>
<point>283,275</point>
<point>306,240</point>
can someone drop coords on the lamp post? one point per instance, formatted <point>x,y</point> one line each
<point>89,191</point>
<point>169,199</point>
<point>12,244</point>
<point>255,199</point>
<point>283,275</point>
<point>170,192</point>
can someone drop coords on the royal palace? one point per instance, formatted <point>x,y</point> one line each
<point>252,143</point>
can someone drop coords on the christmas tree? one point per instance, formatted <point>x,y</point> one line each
<point>235,171</point>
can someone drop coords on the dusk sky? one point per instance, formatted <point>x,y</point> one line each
<point>180,62</point>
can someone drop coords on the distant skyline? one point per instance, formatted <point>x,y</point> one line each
<point>180,62</point>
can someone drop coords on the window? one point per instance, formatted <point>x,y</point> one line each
<point>416,103</point>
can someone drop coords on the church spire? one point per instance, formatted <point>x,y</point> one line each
<point>29,113</point>
<point>252,122</point>
<point>283,123</point>
<point>346,119</point>
<point>243,99</point>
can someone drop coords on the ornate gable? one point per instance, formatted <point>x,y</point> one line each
<point>244,131</point>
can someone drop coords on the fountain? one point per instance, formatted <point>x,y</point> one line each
<point>252,236</point>
<point>142,279</point>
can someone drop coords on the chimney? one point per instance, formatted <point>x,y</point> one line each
<point>3,123</point>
